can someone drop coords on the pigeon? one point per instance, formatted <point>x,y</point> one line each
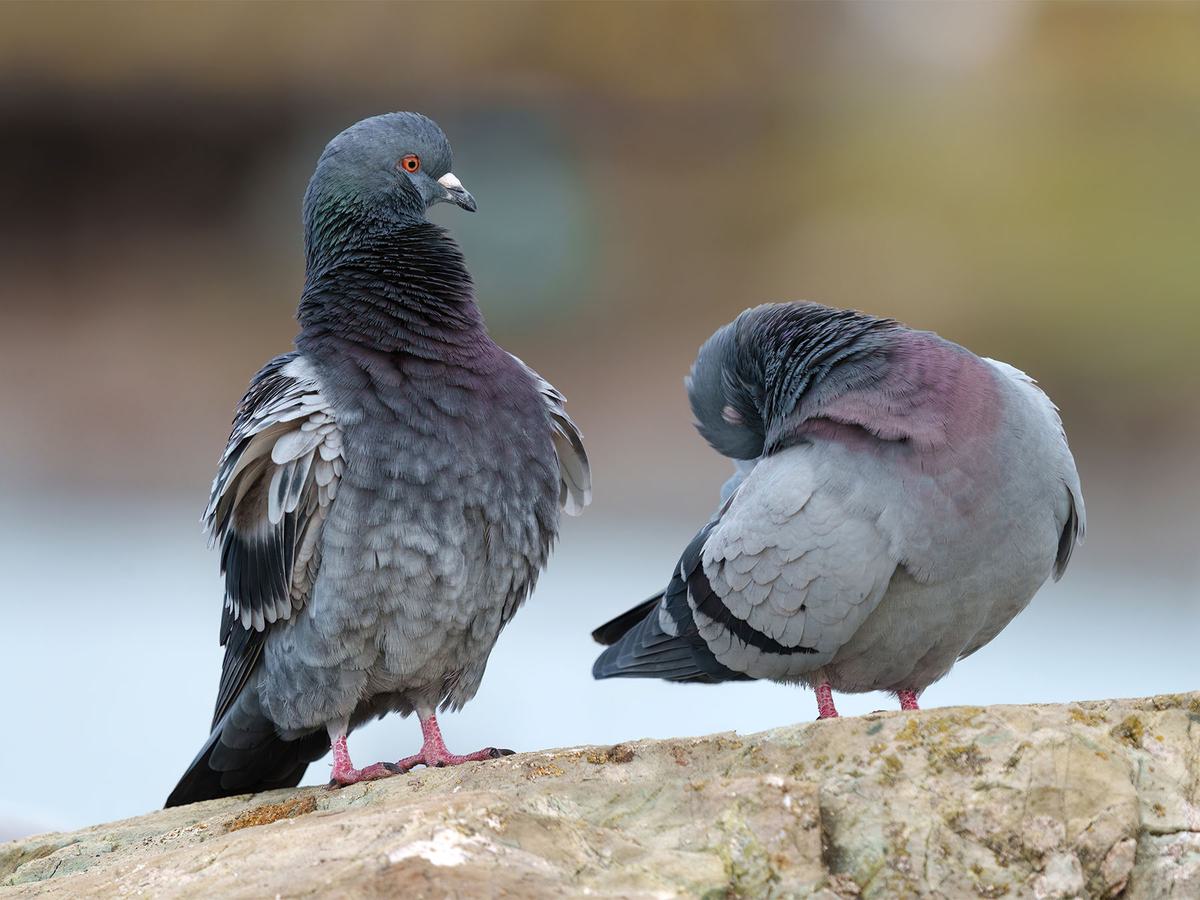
<point>391,488</point>
<point>896,501</point>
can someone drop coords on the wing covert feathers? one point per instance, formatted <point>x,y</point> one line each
<point>274,486</point>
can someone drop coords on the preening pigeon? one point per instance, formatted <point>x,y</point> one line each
<point>391,487</point>
<point>897,500</point>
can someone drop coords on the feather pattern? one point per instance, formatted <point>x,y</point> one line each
<point>1074,526</point>
<point>896,501</point>
<point>391,490</point>
<point>274,486</point>
<point>575,474</point>
<point>659,638</point>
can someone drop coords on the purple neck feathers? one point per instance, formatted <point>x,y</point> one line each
<point>403,290</point>
<point>933,395</point>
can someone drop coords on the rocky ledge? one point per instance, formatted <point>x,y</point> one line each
<point>1098,799</point>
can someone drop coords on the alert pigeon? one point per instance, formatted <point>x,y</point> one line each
<point>897,501</point>
<point>391,488</point>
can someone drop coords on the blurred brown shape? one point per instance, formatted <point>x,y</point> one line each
<point>1020,178</point>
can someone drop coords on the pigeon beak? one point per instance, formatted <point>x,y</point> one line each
<point>456,193</point>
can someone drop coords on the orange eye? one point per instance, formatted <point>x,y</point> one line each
<point>410,163</point>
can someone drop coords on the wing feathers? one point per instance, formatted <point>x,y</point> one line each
<point>574,472</point>
<point>274,486</point>
<point>1072,532</point>
<point>662,642</point>
<point>771,588</point>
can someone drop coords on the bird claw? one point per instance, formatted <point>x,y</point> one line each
<point>379,770</point>
<point>439,758</point>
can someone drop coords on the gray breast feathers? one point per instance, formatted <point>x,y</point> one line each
<point>1071,515</point>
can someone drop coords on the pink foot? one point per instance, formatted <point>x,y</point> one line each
<point>344,772</point>
<point>825,707</point>
<point>433,751</point>
<point>908,699</point>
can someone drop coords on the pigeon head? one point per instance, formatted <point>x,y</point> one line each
<point>725,392</point>
<point>754,375</point>
<point>383,171</point>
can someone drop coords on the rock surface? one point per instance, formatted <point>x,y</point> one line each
<point>1094,799</point>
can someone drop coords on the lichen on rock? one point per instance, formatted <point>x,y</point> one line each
<point>1094,799</point>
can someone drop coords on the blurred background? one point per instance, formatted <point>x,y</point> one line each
<point>1022,178</point>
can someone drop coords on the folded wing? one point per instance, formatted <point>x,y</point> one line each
<point>274,487</point>
<point>575,475</point>
<point>773,587</point>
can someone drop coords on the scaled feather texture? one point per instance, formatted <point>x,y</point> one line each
<point>390,490</point>
<point>896,500</point>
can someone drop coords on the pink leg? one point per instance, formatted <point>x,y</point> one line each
<point>344,772</point>
<point>825,707</point>
<point>433,750</point>
<point>908,699</point>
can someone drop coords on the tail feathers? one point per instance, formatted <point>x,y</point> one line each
<point>644,650</point>
<point>245,754</point>
<point>612,631</point>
